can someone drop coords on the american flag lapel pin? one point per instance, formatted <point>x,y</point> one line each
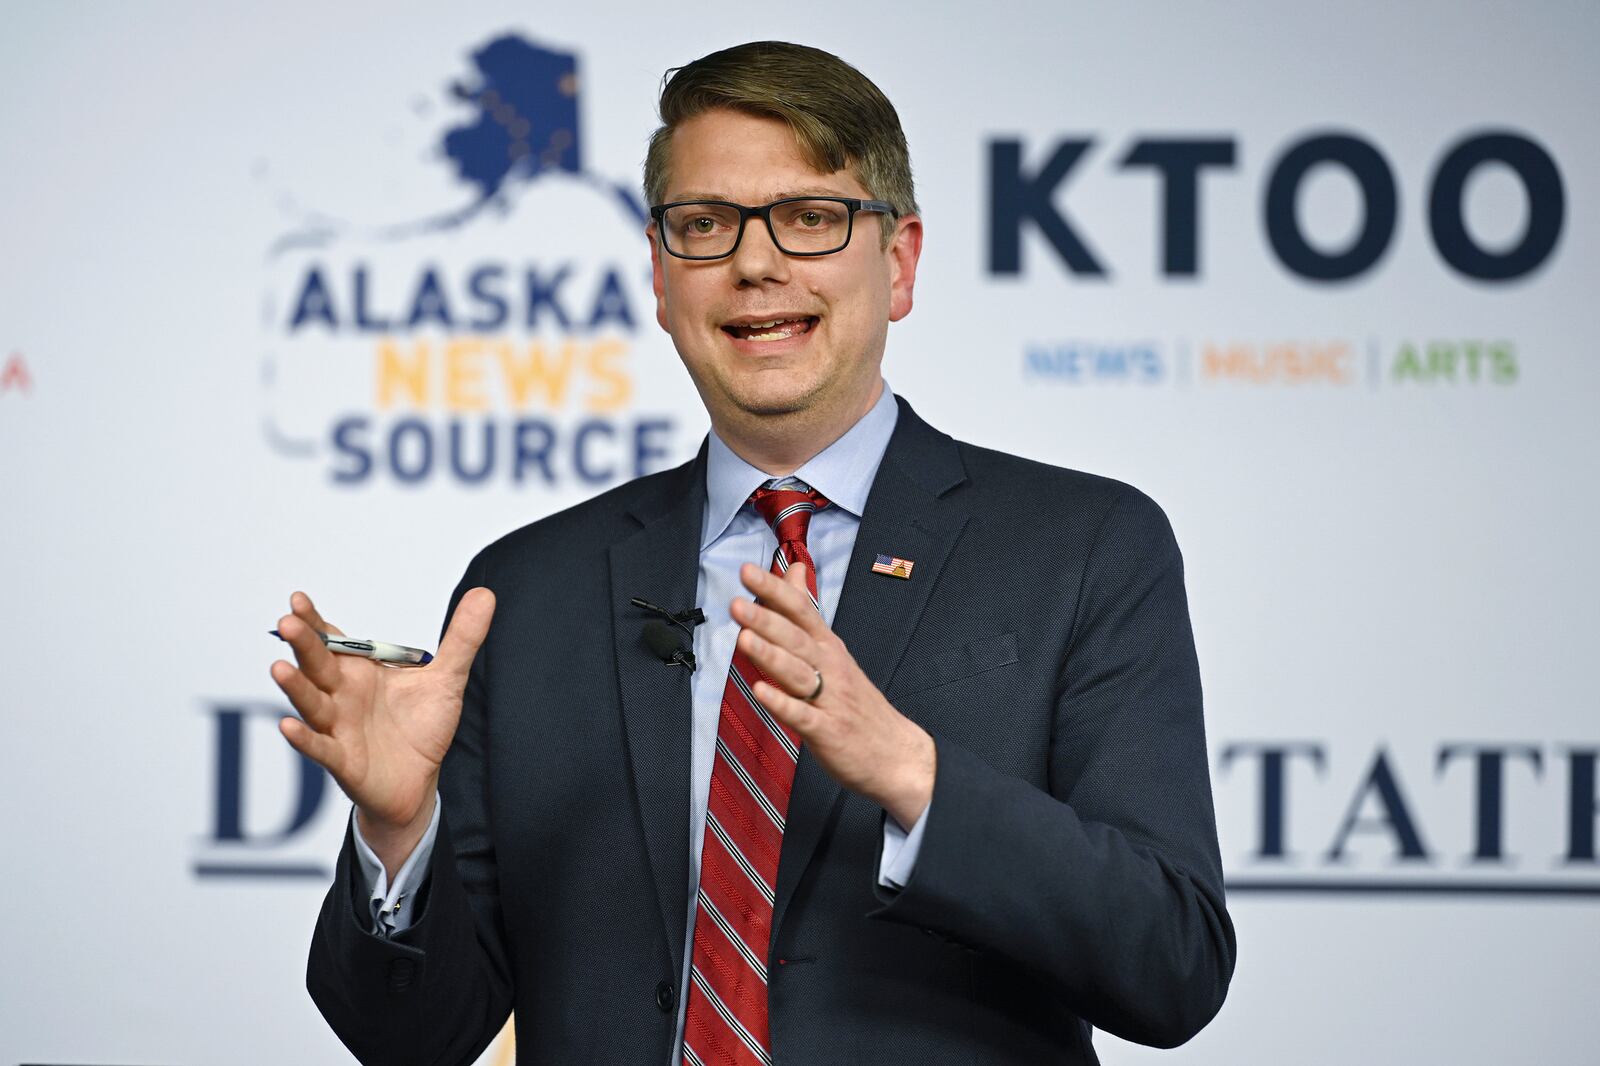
<point>888,564</point>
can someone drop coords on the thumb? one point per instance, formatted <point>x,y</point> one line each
<point>468,626</point>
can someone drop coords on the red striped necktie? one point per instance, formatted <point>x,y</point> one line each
<point>726,1020</point>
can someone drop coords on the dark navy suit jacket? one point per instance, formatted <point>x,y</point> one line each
<point>1068,876</point>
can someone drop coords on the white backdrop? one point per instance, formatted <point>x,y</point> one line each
<point>1384,486</point>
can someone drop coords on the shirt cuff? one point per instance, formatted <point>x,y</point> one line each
<point>389,915</point>
<point>900,851</point>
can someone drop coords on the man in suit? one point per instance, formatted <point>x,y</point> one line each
<point>936,789</point>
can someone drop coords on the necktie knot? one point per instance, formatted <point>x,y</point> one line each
<point>788,511</point>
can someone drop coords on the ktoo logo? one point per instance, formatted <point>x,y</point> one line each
<point>1020,197</point>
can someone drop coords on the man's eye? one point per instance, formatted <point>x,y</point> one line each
<point>811,218</point>
<point>703,225</point>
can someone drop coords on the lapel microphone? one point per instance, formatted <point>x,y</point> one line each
<point>663,643</point>
<point>661,640</point>
<point>684,620</point>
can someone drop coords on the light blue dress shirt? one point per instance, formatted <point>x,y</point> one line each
<point>731,534</point>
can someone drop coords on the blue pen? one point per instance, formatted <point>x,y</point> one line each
<point>377,650</point>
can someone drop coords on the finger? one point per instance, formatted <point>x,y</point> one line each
<point>464,635</point>
<point>796,576</point>
<point>787,595</point>
<point>795,713</point>
<point>773,627</point>
<point>313,745</point>
<point>314,658</point>
<point>314,705</point>
<point>302,607</point>
<point>792,673</point>
<point>810,610</point>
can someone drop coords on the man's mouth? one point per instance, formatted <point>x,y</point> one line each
<point>776,329</point>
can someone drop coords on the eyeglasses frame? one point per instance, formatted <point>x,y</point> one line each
<point>659,212</point>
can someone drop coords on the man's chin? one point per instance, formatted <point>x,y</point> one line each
<point>773,408</point>
<point>774,402</point>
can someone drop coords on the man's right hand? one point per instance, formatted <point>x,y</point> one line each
<point>380,731</point>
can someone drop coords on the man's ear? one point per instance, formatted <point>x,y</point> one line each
<point>903,252</point>
<point>658,280</point>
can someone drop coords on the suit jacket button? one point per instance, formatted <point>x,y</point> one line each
<point>664,997</point>
<point>400,974</point>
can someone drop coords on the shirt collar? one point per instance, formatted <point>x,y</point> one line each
<point>843,471</point>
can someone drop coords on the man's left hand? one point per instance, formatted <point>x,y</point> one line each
<point>852,731</point>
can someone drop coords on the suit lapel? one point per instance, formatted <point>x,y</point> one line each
<point>660,563</point>
<point>907,517</point>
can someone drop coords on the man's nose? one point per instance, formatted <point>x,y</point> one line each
<point>758,259</point>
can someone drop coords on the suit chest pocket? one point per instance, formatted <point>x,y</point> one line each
<point>921,672</point>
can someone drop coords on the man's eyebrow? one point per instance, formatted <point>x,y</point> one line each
<point>811,190</point>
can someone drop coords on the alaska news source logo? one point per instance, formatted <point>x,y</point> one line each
<point>1029,197</point>
<point>444,357</point>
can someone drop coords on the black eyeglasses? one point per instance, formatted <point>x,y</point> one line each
<point>799,225</point>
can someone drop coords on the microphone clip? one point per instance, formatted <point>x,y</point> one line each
<point>663,644</point>
<point>659,637</point>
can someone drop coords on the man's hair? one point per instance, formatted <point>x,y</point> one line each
<point>839,118</point>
